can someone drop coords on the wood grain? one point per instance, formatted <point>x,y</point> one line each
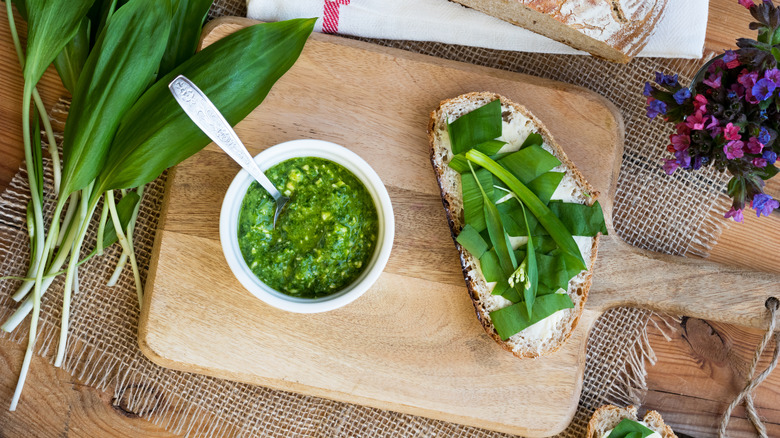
<point>695,414</point>
<point>381,117</point>
<point>700,371</point>
<point>333,93</point>
<point>56,405</point>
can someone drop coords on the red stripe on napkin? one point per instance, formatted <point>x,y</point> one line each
<point>330,20</point>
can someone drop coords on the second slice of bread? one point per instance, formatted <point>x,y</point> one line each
<point>607,418</point>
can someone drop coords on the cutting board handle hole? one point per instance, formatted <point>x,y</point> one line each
<point>772,303</point>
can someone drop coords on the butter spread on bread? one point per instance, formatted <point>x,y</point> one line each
<point>518,123</point>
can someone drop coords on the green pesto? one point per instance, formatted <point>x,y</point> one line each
<point>323,240</point>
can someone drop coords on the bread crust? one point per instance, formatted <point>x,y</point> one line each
<point>607,417</point>
<point>615,30</point>
<point>468,265</point>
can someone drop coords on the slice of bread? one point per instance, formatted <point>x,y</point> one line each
<point>607,418</point>
<point>615,30</point>
<point>548,335</point>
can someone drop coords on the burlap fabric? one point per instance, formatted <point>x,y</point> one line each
<point>677,215</point>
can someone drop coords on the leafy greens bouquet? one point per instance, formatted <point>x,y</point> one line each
<point>124,128</point>
<point>730,115</point>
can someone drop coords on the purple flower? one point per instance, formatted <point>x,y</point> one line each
<point>713,80</point>
<point>733,149</point>
<point>662,79</point>
<point>648,89</point>
<point>731,132</point>
<point>680,142</point>
<point>713,127</point>
<point>769,156</point>
<point>681,95</point>
<point>738,90</point>
<point>759,162</point>
<point>763,89</point>
<point>698,161</point>
<point>773,75</point>
<point>764,204</point>
<point>735,214</point>
<point>655,107</point>
<point>763,136</point>
<point>730,59</point>
<point>683,159</point>
<point>754,146</point>
<point>670,166</point>
<point>746,3</point>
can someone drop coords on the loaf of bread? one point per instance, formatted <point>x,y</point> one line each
<point>549,334</point>
<point>615,30</point>
<point>607,418</point>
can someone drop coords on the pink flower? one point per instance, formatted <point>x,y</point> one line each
<point>747,4</point>
<point>680,142</point>
<point>700,102</point>
<point>670,166</point>
<point>759,162</point>
<point>714,80</point>
<point>754,146</point>
<point>696,121</point>
<point>731,132</point>
<point>735,214</point>
<point>734,149</point>
<point>682,128</point>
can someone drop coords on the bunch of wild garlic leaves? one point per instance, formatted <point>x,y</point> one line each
<point>124,128</point>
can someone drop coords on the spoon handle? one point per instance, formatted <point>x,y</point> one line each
<point>208,118</point>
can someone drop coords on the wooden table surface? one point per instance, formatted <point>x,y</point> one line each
<point>698,371</point>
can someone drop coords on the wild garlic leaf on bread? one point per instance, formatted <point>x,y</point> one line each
<point>630,429</point>
<point>563,285</point>
<point>509,195</point>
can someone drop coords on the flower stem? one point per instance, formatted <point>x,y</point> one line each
<point>71,276</point>
<point>73,203</point>
<point>126,247</point>
<point>101,228</point>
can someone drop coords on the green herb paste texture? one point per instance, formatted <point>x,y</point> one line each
<point>323,240</point>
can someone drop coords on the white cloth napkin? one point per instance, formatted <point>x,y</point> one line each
<point>680,33</point>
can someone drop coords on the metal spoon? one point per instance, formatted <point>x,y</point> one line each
<point>208,118</point>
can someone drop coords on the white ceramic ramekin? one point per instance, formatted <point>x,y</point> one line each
<point>231,207</point>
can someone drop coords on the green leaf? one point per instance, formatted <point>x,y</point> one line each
<point>470,239</point>
<point>515,318</point>
<point>37,152</point>
<point>236,73</point>
<point>490,267</point>
<point>51,24</point>
<point>21,7</point>
<point>580,219</point>
<point>188,18</point>
<point>529,163</point>
<point>532,139</point>
<point>124,209</point>
<point>545,184</point>
<point>549,221</point>
<point>478,126</point>
<point>459,162</point>
<point>630,429</point>
<point>72,58</point>
<point>552,272</point>
<point>498,237</point>
<point>532,280</point>
<point>512,218</point>
<point>473,211</point>
<point>767,172</point>
<point>117,72</point>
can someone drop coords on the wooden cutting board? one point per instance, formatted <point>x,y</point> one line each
<point>412,343</point>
